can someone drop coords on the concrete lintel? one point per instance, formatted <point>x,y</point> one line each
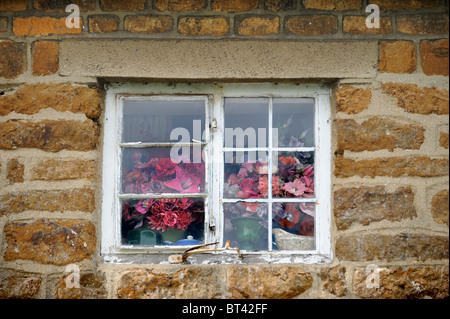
<point>218,59</point>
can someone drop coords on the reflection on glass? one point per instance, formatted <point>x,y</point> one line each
<point>246,175</point>
<point>293,226</point>
<point>294,120</point>
<point>163,222</point>
<point>163,121</point>
<point>246,225</point>
<point>154,171</point>
<point>294,175</point>
<point>246,122</point>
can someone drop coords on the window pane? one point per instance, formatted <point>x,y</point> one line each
<point>293,175</point>
<point>246,122</point>
<point>163,121</point>
<point>294,120</point>
<point>246,175</point>
<point>155,171</point>
<point>163,222</point>
<point>293,226</point>
<point>246,225</point>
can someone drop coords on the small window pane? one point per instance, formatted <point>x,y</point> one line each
<point>293,175</point>
<point>246,225</point>
<point>159,171</point>
<point>246,175</point>
<point>294,120</point>
<point>163,121</point>
<point>163,222</point>
<point>246,122</point>
<point>293,226</point>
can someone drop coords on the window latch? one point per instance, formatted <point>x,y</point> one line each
<point>213,124</point>
<point>179,259</point>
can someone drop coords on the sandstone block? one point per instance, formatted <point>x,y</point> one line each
<point>421,100</point>
<point>415,282</point>
<point>440,207</point>
<point>103,23</point>
<point>370,247</point>
<point>352,100</point>
<point>333,5</point>
<point>395,5</point>
<point>18,285</point>
<point>92,286</point>
<point>334,280</point>
<point>12,59</point>
<point>377,134</point>
<point>435,57</point>
<point>45,58</point>
<point>419,166</point>
<point>234,5</point>
<point>186,283</point>
<point>265,282</point>
<point>16,171</point>
<point>148,24</point>
<point>397,57</point>
<point>50,136</point>
<point>180,5</point>
<point>125,5</point>
<point>43,26</point>
<point>357,25</point>
<point>31,98</point>
<point>203,26</point>
<point>366,205</point>
<point>253,26</point>
<point>444,140</point>
<point>280,5</point>
<point>51,201</point>
<point>57,170</point>
<point>13,5</point>
<point>55,242</point>
<point>423,24</point>
<point>60,5</point>
<point>312,25</point>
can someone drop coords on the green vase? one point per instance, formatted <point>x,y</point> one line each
<point>173,235</point>
<point>248,231</point>
<point>142,237</point>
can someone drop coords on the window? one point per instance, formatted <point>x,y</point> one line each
<point>190,164</point>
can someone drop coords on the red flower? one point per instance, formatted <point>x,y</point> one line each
<point>170,219</point>
<point>307,226</point>
<point>293,217</point>
<point>165,167</point>
<point>184,220</point>
<point>288,160</point>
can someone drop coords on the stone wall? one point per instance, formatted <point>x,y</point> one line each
<point>390,138</point>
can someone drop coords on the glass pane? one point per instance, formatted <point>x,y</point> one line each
<point>246,225</point>
<point>163,121</point>
<point>293,175</point>
<point>163,222</point>
<point>155,171</point>
<point>246,175</point>
<point>293,226</point>
<point>294,120</point>
<point>246,122</point>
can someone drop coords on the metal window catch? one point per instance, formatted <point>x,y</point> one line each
<point>179,259</point>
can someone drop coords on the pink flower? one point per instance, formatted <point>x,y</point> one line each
<point>296,188</point>
<point>233,180</point>
<point>165,167</point>
<point>183,183</point>
<point>144,206</point>
<point>170,219</point>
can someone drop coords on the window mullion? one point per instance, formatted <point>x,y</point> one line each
<point>270,176</point>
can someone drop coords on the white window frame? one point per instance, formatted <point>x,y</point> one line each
<point>111,249</point>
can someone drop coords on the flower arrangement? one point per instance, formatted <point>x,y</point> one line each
<point>162,214</point>
<point>162,175</point>
<point>155,175</point>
